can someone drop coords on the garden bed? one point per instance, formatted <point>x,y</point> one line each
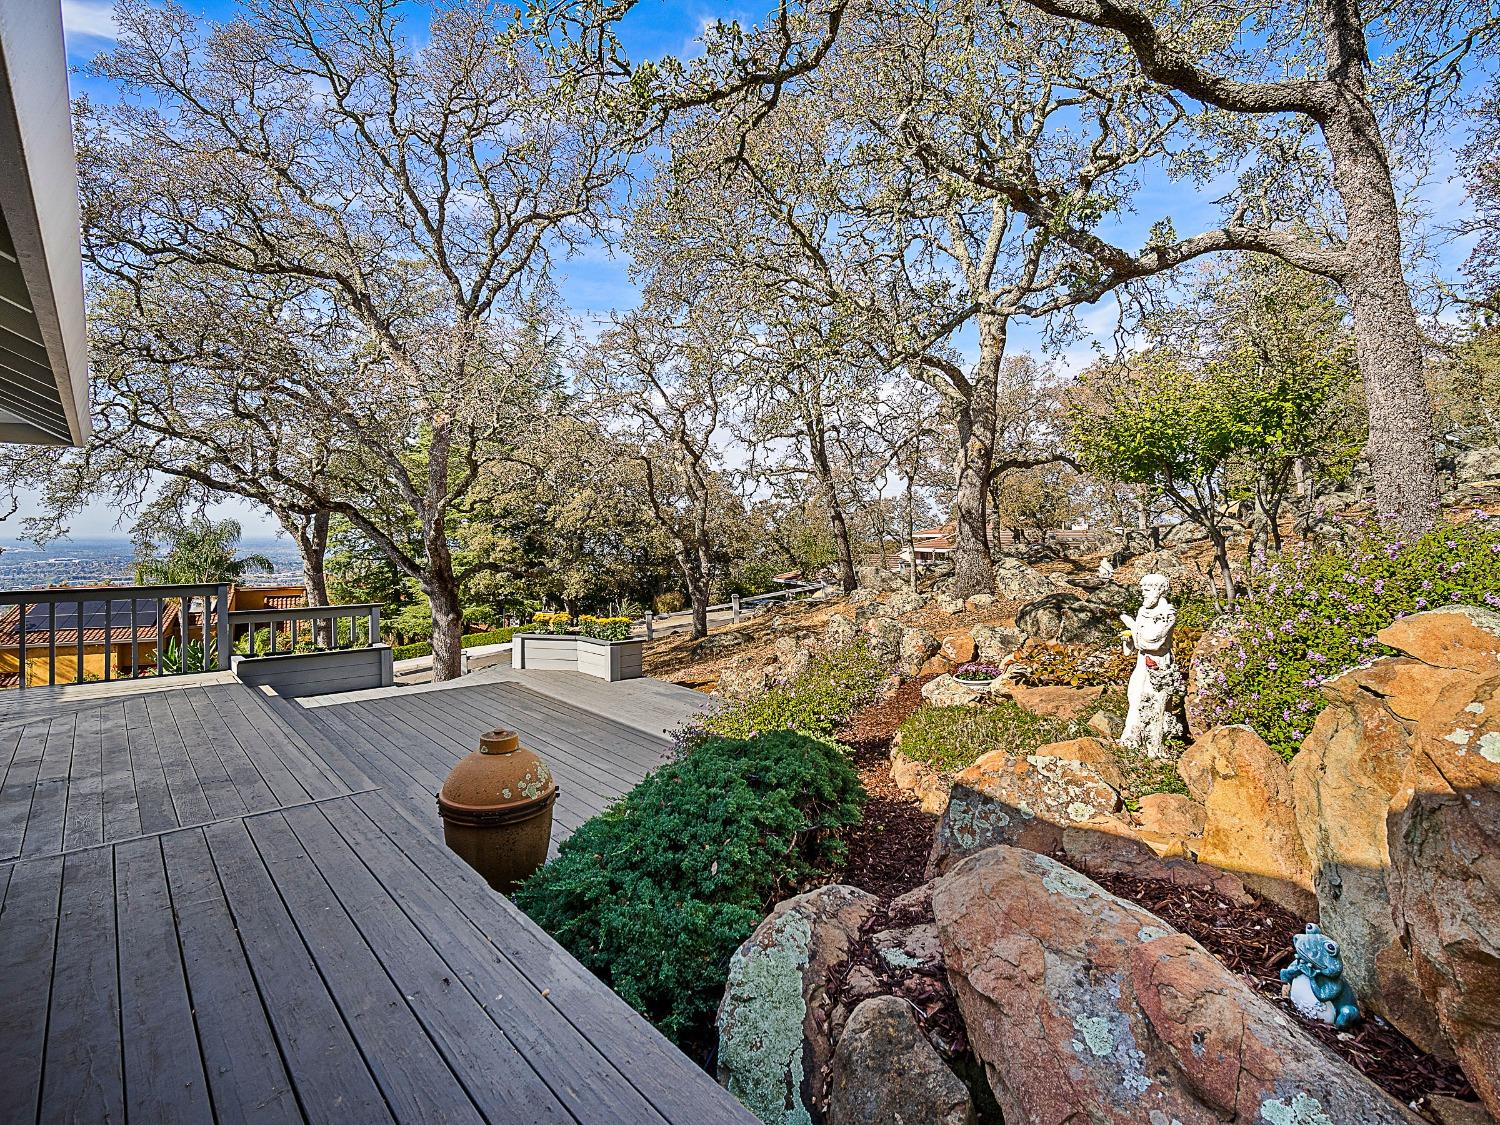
<point>888,857</point>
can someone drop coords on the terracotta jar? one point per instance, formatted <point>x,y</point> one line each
<point>496,807</point>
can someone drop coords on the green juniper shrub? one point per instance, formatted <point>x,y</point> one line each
<point>954,738</point>
<point>655,894</point>
<point>816,702</point>
<point>1312,613</point>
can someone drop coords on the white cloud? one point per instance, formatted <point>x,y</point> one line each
<point>89,19</point>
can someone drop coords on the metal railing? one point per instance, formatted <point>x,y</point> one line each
<point>737,605</point>
<point>129,621</point>
<point>323,632</point>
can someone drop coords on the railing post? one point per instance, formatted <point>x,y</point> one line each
<point>374,638</point>
<point>221,628</point>
<point>650,625</point>
<point>734,602</point>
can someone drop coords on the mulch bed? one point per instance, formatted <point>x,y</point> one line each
<point>888,857</point>
<point>888,850</point>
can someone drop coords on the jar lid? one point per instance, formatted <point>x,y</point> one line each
<point>499,741</point>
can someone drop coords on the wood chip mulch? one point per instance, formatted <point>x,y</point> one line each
<point>888,850</point>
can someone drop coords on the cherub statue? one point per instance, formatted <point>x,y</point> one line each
<point>1156,679</point>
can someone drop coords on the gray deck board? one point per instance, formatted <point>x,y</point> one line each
<point>216,905</point>
<point>28,933</point>
<point>332,1080</point>
<point>83,1078</point>
<point>247,1079</point>
<point>406,1065</point>
<point>83,816</point>
<point>49,799</point>
<point>20,787</point>
<point>164,1078</point>
<point>122,810</point>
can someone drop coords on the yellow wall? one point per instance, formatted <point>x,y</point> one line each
<point>67,662</point>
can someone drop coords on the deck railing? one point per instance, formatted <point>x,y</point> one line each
<point>141,630</point>
<point>272,632</point>
<point>76,636</point>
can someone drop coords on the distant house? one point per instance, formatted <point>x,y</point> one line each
<point>263,597</point>
<point>116,637</point>
<point>929,545</point>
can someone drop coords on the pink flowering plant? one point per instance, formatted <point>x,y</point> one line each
<point>1311,613</point>
<point>977,671</point>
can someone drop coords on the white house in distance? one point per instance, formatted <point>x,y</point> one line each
<point>43,347</point>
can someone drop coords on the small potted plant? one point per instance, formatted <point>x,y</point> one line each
<point>977,674</point>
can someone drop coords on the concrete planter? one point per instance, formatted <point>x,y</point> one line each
<point>605,660</point>
<point>318,673</point>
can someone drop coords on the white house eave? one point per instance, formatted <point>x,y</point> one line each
<point>43,347</point>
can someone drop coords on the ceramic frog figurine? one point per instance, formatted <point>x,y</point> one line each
<point>1316,974</point>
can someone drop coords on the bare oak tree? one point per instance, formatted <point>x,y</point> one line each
<point>417,194</point>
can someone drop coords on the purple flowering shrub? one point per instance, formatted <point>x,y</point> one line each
<point>1312,613</point>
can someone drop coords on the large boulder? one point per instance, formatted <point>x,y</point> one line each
<point>1086,1008</point>
<point>885,1071</point>
<point>1172,814</point>
<point>1020,583</point>
<point>1068,619</point>
<point>946,691</point>
<point>917,645</point>
<point>840,632</point>
<point>994,643</point>
<point>1250,825</point>
<point>744,678</point>
<point>1443,836</point>
<point>881,579</point>
<point>775,1047</point>
<point>1214,642</point>
<point>1398,795</point>
<point>930,785</point>
<point>958,648</point>
<point>904,602</point>
<point>1026,800</point>
<point>1097,852</point>
<point>1059,700</point>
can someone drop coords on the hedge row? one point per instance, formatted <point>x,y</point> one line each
<point>424,648</point>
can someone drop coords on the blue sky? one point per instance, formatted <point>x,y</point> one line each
<point>595,282</point>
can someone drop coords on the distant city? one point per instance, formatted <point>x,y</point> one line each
<point>80,562</point>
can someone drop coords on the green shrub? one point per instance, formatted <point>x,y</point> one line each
<point>670,602</point>
<point>954,738</point>
<point>469,640</point>
<point>655,894</point>
<point>816,702</point>
<point>1311,614</point>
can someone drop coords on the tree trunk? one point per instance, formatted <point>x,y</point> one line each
<point>1387,341</point>
<point>973,569</point>
<point>698,599</point>
<point>447,627</point>
<point>310,534</point>
<point>817,443</point>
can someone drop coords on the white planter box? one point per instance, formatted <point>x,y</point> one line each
<point>604,660</point>
<point>318,673</point>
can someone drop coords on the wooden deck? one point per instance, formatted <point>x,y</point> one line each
<point>217,905</point>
